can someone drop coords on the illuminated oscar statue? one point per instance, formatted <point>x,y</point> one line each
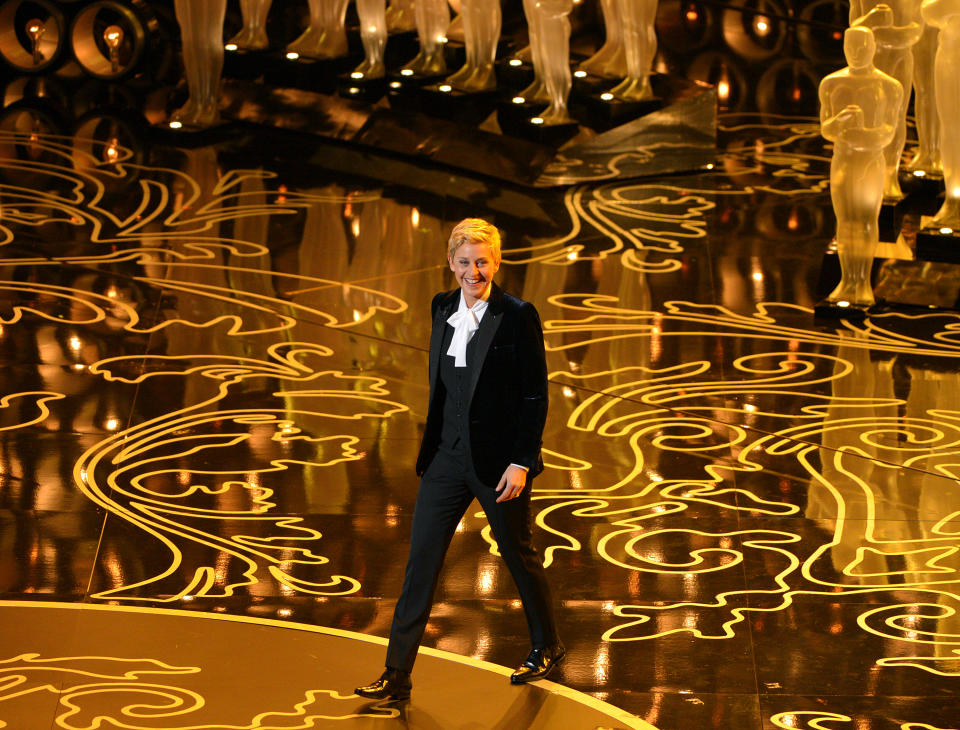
<point>433,18</point>
<point>481,29</point>
<point>859,107</point>
<point>553,31</point>
<point>253,35</point>
<point>201,33</point>
<point>537,90</point>
<point>927,159</point>
<point>897,27</point>
<point>400,16</point>
<point>610,61</point>
<point>637,18</point>
<point>945,15</point>
<point>326,36</point>
<point>373,33</point>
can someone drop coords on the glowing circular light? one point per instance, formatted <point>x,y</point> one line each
<point>176,125</point>
<point>606,96</point>
<point>946,231</point>
<point>406,72</point>
<point>519,100</point>
<point>919,173</point>
<point>293,56</point>
<point>516,62</point>
<point>580,74</point>
<point>354,90</point>
<point>445,88</point>
<point>395,84</point>
<point>233,47</point>
<point>843,304</point>
<point>536,120</point>
<point>356,75</point>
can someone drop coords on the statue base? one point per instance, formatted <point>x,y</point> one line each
<point>924,192</point>
<point>467,107</point>
<point>938,244</point>
<point>362,88</point>
<point>592,101</point>
<point>833,310</point>
<point>319,75</point>
<point>891,219</point>
<point>403,90</point>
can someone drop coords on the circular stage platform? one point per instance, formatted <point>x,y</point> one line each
<point>85,666</point>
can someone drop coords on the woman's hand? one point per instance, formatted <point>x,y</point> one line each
<point>512,482</point>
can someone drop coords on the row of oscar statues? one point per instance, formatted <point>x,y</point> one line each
<point>890,47</point>
<point>626,55</point>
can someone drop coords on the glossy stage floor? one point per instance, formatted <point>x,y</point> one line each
<point>214,380</point>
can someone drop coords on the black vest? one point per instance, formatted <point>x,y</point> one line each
<point>456,382</point>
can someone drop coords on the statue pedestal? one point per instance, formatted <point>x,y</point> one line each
<point>938,244</point>
<point>362,88</point>
<point>319,75</point>
<point>830,310</point>
<point>467,107</point>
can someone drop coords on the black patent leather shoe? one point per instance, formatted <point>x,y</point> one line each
<point>538,664</point>
<point>394,684</point>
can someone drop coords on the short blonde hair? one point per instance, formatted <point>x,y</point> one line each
<point>474,230</point>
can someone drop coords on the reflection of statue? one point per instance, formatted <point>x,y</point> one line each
<point>945,15</point>
<point>253,35</point>
<point>201,33</point>
<point>554,40</point>
<point>896,27</point>
<point>481,28</point>
<point>925,104</point>
<point>433,17</point>
<point>373,33</point>
<point>610,61</point>
<point>400,16</point>
<point>858,113</point>
<point>326,36</point>
<point>640,46</point>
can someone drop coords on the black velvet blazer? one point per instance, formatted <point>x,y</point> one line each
<point>507,397</point>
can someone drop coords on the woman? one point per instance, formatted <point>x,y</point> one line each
<point>487,409</point>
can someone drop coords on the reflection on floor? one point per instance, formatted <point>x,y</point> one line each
<point>214,382</point>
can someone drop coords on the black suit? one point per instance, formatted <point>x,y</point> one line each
<point>480,419</point>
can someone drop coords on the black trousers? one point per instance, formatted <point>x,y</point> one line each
<point>446,490</point>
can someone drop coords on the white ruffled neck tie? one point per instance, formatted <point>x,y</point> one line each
<point>464,322</point>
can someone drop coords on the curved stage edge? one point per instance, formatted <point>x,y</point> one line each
<point>73,666</point>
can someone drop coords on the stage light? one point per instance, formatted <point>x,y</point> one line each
<point>395,84</point>
<point>113,37</point>
<point>516,62</point>
<point>536,120</point>
<point>580,74</point>
<point>606,96</point>
<point>293,56</point>
<point>946,231</point>
<point>406,72</point>
<point>230,47</point>
<point>919,173</point>
<point>519,100</point>
<point>445,88</point>
<point>176,125</point>
<point>35,31</point>
<point>356,75</point>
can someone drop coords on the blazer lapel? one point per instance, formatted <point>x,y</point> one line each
<point>436,337</point>
<point>488,328</point>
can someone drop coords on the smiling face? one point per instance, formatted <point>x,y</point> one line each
<point>473,265</point>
